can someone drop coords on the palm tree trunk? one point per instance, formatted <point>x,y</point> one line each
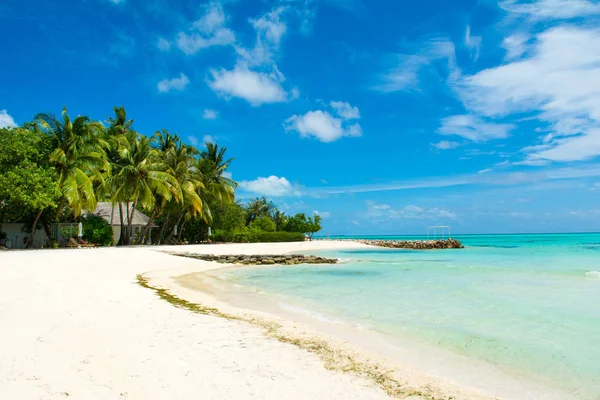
<point>122,234</point>
<point>49,232</point>
<point>61,204</point>
<point>180,232</point>
<point>147,228</point>
<point>32,233</point>
<point>163,228</point>
<point>177,225</point>
<point>130,221</point>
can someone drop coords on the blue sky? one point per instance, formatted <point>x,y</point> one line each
<point>383,116</point>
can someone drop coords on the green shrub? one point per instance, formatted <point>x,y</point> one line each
<point>273,237</point>
<point>256,236</point>
<point>265,224</point>
<point>96,230</point>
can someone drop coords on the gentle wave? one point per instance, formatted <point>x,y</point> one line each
<point>593,274</point>
<point>309,313</point>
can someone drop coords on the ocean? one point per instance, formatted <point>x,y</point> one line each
<point>527,304</point>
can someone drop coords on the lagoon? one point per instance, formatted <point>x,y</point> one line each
<point>526,304</point>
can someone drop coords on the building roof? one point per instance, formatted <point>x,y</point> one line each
<point>110,212</point>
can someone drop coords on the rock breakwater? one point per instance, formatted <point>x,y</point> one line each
<point>415,244</point>
<point>266,259</point>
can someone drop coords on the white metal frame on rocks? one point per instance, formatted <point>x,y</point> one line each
<point>435,229</point>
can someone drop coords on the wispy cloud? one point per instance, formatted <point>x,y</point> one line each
<point>208,139</point>
<point>445,145</point>
<point>552,9</point>
<point>473,43</point>
<point>6,121</point>
<point>163,44</point>
<point>177,84</point>
<point>208,31</point>
<point>345,110</point>
<point>515,45</point>
<point>488,179</point>
<point>270,29</point>
<point>256,77</point>
<point>557,84</point>
<point>408,68</point>
<point>375,210</point>
<point>474,128</point>
<point>210,114</point>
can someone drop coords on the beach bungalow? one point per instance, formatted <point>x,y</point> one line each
<point>112,214</point>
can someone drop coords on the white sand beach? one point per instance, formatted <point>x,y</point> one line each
<point>76,323</point>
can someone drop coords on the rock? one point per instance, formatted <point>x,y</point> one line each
<point>415,244</point>
<point>268,259</point>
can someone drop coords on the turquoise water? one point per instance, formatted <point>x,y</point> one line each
<point>529,304</point>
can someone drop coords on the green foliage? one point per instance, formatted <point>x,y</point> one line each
<point>27,185</point>
<point>272,237</point>
<point>96,230</point>
<point>68,232</point>
<point>228,217</point>
<point>254,236</point>
<point>264,224</point>
<point>301,223</point>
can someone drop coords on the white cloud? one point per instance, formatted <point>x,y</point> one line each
<point>445,145</point>
<point>515,45</point>
<point>255,87</point>
<point>473,43</point>
<point>375,210</point>
<point>6,121</point>
<point>208,139</point>
<point>345,110</point>
<point>208,31</point>
<point>324,126</point>
<point>552,9</point>
<point>210,114</point>
<point>178,84</point>
<point>558,84</point>
<point>227,175</point>
<point>323,214</point>
<point>163,44</point>
<point>271,186</point>
<point>321,125</point>
<point>408,68</point>
<point>193,140</point>
<point>473,128</point>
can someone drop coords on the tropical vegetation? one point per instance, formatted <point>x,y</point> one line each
<point>57,169</point>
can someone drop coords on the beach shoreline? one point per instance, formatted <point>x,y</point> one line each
<point>74,314</point>
<point>416,367</point>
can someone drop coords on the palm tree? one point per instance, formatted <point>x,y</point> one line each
<point>280,219</point>
<point>259,207</point>
<point>166,140</point>
<point>213,166</point>
<point>180,159</point>
<point>79,156</point>
<point>141,176</point>
<point>119,126</point>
